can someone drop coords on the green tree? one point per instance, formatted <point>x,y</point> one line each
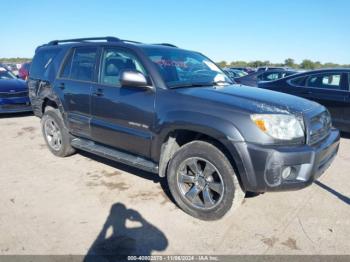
<point>307,64</point>
<point>238,64</point>
<point>222,64</point>
<point>290,63</point>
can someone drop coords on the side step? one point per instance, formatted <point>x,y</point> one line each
<point>115,155</point>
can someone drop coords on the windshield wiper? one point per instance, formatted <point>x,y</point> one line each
<point>180,85</point>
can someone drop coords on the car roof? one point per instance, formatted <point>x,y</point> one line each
<point>319,71</point>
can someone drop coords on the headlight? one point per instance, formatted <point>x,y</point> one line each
<point>280,126</point>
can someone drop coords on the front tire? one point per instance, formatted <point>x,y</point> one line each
<point>55,133</point>
<point>203,182</point>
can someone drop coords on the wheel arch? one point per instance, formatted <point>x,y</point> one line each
<point>177,137</point>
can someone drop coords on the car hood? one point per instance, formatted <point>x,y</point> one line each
<point>13,84</point>
<point>251,98</point>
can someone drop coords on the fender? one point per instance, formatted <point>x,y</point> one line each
<point>213,126</point>
<point>46,92</point>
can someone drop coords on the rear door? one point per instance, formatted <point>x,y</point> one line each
<point>75,82</point>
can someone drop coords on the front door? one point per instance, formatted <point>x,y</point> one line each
<point>346,116</point>
<point>122,117</point>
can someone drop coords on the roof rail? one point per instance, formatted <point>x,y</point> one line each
<point>130,41</point>
<point>167,44</point>
<point>107,38</point>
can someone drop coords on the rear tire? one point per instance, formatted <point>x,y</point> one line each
<point>55,133</point>
<point>202,181</point>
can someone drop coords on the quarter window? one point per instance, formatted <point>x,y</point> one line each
<point>114,62</point>
<point>326,81</point>
<point>299,81</point>
<point>42,62</point>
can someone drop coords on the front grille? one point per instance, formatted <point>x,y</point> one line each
<point>14,106</point>
<point>319,127</point>
<point>13,94</point>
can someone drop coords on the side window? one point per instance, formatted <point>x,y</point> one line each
<point>83,64</point>
<point>260,77</point>
<point>271,76</point>
<point>114,62</point>
<point>42,61</point>
<point>299,81</point>
<point>327,81</point>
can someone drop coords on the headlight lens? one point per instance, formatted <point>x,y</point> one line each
<point>280,126</point>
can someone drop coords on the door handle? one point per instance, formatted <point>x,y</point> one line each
<point>306,92</point>
<point>98,92</point>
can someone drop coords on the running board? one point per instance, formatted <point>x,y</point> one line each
<point>115,155</point>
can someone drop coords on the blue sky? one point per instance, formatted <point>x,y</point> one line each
<point>222,29</point>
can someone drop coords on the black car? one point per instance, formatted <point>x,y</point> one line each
<point>248,70</point>
<point>174,112</point>
<point>269,75</point>
<point>266,68</point>
<point>329,87</point>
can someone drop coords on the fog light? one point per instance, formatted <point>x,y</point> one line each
<point>286,172</point>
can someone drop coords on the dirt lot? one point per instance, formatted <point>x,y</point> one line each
<point>50,205</point>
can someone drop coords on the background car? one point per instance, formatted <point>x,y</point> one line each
<point>266,68</point>
<point>236,73</point>
<point>269,75</point>
<point>23,72</point>
<point>248,70</point>
<point>232,73</point>
<point>13,93</point>
<point>329,87</point>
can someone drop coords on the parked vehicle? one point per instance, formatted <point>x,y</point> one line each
<point>12,67</point>
<point>23,72</point>
<point>233,73</point>
<point>174,112</point>
<point>248,70</point>
<point>267,68</point>
<point>270,75</point>
<point>329,87</point>
<point>13,93</point>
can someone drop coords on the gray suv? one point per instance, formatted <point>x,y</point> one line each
<point>175,113</point>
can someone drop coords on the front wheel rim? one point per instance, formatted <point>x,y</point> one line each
<point>53,134</point>
<point>200,183</point>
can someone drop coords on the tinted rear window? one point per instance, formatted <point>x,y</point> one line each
<point>83,64</point>
<point>80,64</point>
<point>41,62</point>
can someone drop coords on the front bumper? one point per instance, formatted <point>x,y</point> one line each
<point>263,165</point>
<point>15,105</point>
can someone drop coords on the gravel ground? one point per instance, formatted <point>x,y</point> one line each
<point>83,204</point>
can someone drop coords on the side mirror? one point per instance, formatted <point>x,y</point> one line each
<point>133,79</point>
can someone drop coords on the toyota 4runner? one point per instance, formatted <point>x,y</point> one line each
<point>175,113</point>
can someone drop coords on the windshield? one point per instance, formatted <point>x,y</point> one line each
<point>181,68</point>
<point>5,74</point>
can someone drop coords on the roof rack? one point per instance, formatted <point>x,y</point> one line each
<point>167,44</point>
<point>107,38</point>
<point>130,41</point>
